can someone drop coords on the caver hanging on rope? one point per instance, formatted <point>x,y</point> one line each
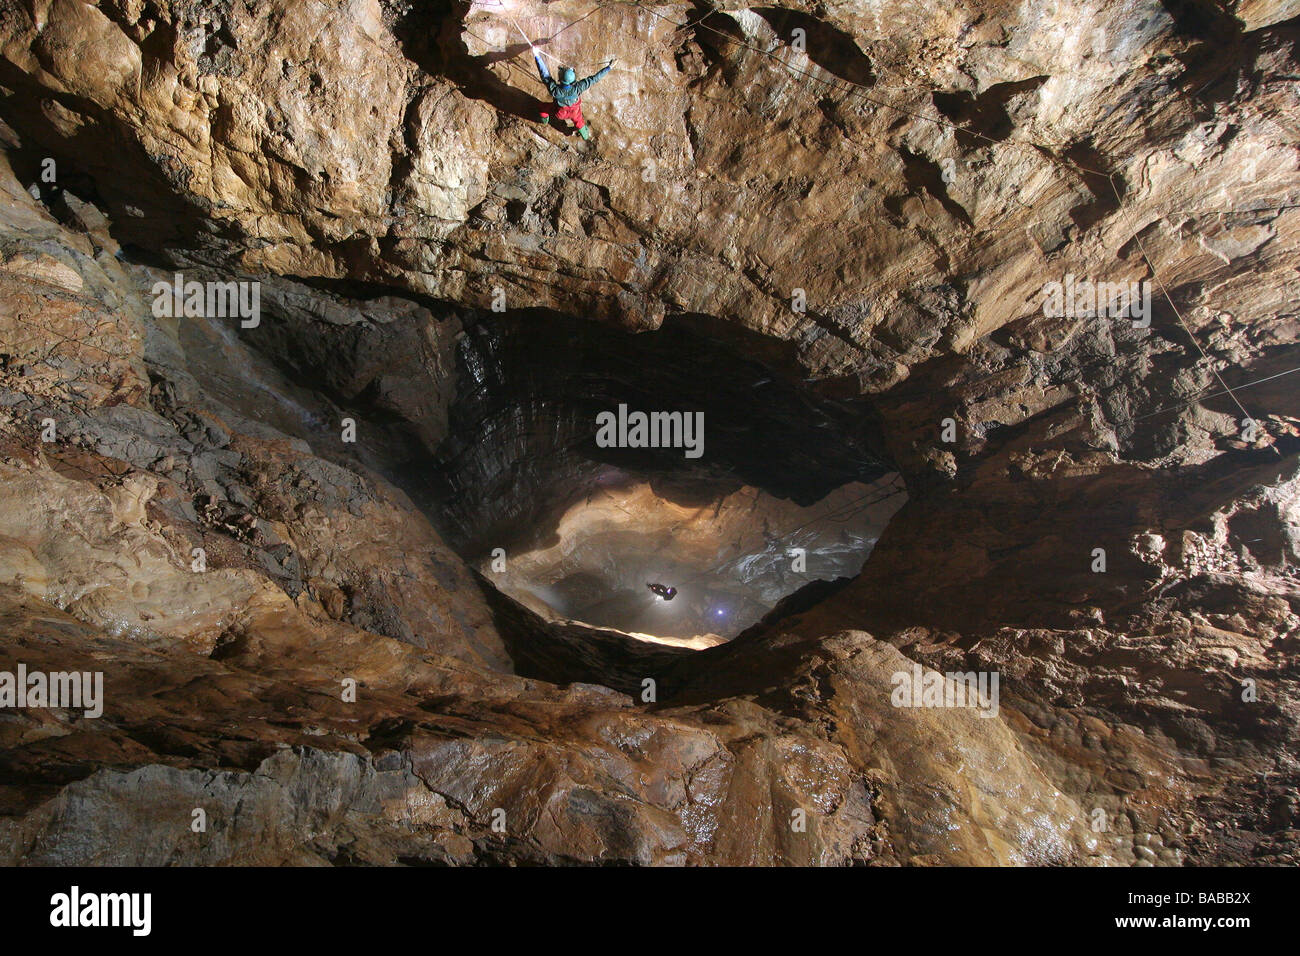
<point>567,92</point>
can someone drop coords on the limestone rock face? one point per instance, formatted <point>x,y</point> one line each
<point>152,506</point>
<point>869,200</point>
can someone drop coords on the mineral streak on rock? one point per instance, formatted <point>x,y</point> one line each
<point>834,222</point>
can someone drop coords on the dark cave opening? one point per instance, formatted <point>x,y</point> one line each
<point>787,486</point>
<point>787,483</point>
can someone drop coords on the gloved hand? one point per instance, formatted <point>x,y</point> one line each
<point>611,61</point>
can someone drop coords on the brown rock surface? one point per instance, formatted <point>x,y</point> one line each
<point>376,167</point>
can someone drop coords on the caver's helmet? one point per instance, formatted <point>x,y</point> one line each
<point>568,75</point>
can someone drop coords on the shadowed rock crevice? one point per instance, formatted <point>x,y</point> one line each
<point>538,382</point>
<point>983,117</point>
<point>925,175</point>
<point>833,50</point>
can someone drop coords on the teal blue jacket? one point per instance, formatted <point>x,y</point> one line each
<point>565,94</point>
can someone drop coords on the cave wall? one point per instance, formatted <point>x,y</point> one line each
<point>522,435</point>
<point>147,464</point>
<point>390,146</point>
<point>220,119</point>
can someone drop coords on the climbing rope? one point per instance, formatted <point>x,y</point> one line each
<point>1205,395</point>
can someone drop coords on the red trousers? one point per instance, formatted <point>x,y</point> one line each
<point>573,113</point>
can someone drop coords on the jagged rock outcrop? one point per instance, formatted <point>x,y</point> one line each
<point>144,465</point>
<point>917,172</point>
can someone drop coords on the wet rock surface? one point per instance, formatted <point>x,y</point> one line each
<point>329,680</point>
